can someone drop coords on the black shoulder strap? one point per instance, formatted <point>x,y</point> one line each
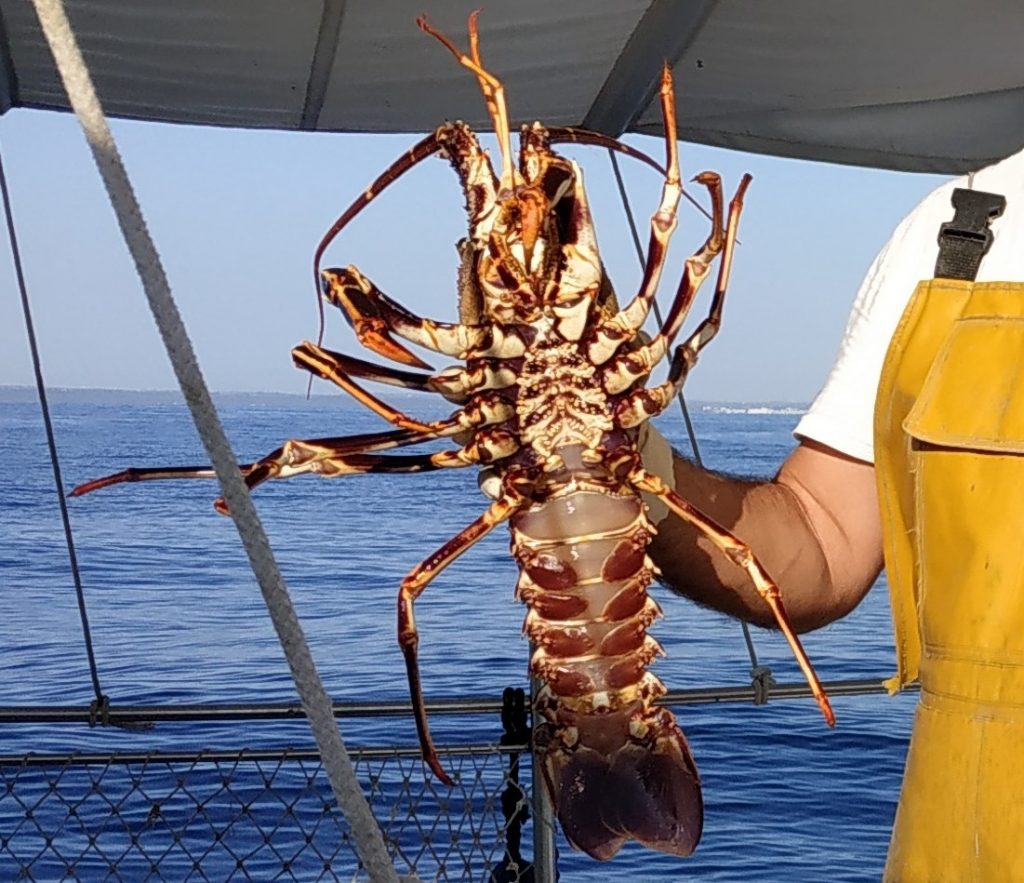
<point>964,240</point>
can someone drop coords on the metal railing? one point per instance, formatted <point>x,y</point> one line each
<point>268,813</point>
<point>259,813</point>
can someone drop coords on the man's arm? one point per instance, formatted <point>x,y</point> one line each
<point>815,527</point>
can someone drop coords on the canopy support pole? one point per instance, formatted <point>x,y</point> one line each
<point>663,34</point>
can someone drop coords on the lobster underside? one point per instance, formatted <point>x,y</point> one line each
<point>617,767</point>
<point>551,400</point>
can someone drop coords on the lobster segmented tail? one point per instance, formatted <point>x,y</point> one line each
<point>616,766</point>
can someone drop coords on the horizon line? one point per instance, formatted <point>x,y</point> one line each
<point>22,390</point>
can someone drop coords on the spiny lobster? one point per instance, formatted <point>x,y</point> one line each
<point>551,404</point>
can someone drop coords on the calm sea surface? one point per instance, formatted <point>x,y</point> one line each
<point>177,618</point>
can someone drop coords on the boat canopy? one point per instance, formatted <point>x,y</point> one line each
<point>921,85</point>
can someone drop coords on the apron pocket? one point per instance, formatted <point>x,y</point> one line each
<point>966,436</point>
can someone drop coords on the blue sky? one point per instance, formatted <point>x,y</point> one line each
<point>237,215</point>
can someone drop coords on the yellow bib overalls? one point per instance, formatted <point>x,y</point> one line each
<point>949,458</point>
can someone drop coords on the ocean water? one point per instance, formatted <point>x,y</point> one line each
<point>177,618</point>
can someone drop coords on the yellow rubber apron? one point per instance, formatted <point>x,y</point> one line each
<point>949,457</point>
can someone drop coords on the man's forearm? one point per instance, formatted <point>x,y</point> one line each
<point>823,564</point>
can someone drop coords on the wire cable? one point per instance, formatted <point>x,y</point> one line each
<point>101,702</point>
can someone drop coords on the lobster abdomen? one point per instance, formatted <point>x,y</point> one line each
<point>616,766</point>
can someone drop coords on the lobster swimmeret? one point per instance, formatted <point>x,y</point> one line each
<point>551,402</point>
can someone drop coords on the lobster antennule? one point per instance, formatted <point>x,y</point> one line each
<point>491,87</point>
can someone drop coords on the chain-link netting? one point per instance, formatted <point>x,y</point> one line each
<point>256,816</point>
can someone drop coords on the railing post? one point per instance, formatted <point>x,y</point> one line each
<point>545,858</point>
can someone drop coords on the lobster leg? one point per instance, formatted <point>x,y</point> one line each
<point>455,383</point>
<point>296,457</point>
<point>455,139</point>
<point>412,587</point>
<point>473,166</point>
<point>741,555</point>
<point>624,324</point>
<point>709,327</point>
<point>373,316</point>
<point>458,142</point>
<point>380,374</point>
<point>573,135</point>
<point>331,457</point>
<point>642,404</point>
<point>156,473</point>
<point>343,445</point>
<point>483,410</point>
<point>631,366</point>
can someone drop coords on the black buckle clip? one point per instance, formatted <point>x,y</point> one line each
<point>965,240</point>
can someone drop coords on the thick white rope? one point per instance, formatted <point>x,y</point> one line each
<point>315,701</point>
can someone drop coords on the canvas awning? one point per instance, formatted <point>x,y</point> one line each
<point>923,85</point>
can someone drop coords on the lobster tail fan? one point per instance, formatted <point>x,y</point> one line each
<point>643,792</point>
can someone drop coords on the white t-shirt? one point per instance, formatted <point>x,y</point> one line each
<point>841,416</point>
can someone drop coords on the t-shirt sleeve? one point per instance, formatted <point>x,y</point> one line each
<point>842,415</point>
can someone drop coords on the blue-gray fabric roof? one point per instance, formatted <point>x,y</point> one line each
<point>924,85</point>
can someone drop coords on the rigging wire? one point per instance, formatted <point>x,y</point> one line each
<point>761,675</point>
<point>101,703</point>
<point>316,703</point>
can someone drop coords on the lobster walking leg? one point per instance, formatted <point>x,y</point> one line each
<point>614,331</point>
<point>156,473</point>
<point>455,383</point>
<point>709,327</point>
<point>626,369</point>
<point>480,411</point>
<point>642,404</point>
<point>741,555</point>
<point>331,457</point>
<point>412,587</point>
<point>374,316</point>
<point>297,457</point>
<point>697,266</point>
<point>354,367</point>
<point>574,135</point>
<point>460,144</point>
<point>352,444</point>
<point>426,148</point>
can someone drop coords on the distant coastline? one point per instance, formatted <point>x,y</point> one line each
<point>334,401</point>
<point>66,395</point>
